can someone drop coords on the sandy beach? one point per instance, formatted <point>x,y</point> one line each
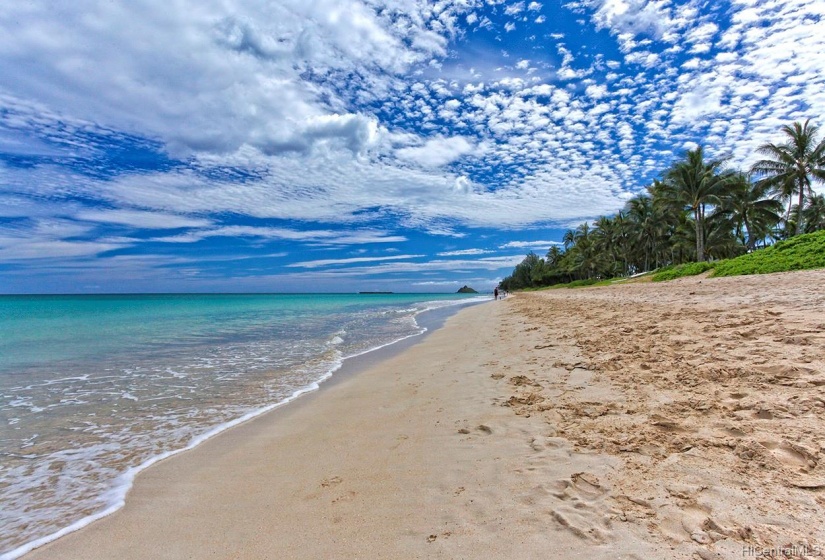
<point>677,420</point>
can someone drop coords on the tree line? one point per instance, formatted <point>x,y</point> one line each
<point>698,210</point>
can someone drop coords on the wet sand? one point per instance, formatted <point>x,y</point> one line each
<point>677,420</point>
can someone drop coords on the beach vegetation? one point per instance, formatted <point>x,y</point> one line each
<point>751,210</point>
<point>798,253</point>
<point>801,252</point>
<point>695,184</point>
<point>682,270</point>
<point>790,168</point>
<point>699,215</point>
<point>813,215</point>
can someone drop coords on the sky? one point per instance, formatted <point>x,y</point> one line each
<point>354,145</point>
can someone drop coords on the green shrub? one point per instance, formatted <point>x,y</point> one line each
<point>679,271</point>
<point>580,283</point>
<point>798,253</point>
<point>577,284</point>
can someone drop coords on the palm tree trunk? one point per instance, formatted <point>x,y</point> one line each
<point>751,243</point>
<point>700,234</point>
<point>799,208</point>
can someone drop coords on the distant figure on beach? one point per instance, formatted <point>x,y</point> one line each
<point>495,293</point>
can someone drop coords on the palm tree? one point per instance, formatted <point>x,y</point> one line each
<point>790,167</point>
<point>644,233</point>
<point>526,272</point>
<point>605,238</point>
<point>554,255</point>
<point>621,232</point>
<point>678,237</point>
<point>814,214</point>
<point>582,258</point>
<point>720,241</point>
<point>582,233</point>
<point>695,184</point>
<point>750,209</point>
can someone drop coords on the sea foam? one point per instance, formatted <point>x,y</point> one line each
<point>137,406</point>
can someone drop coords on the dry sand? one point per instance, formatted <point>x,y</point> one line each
<point>678,420</point>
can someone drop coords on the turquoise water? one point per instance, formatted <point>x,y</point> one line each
<point>93,388</point>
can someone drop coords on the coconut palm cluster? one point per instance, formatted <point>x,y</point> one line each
<point>699,210</point>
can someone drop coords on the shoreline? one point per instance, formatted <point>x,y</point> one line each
<point>416,456</point>
<point>679,420</point>
<point>427,320</point>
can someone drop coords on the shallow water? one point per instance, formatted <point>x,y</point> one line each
<point>94,387</point>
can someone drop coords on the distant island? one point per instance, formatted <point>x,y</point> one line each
<point>466,290</point>
<point>374,292</point>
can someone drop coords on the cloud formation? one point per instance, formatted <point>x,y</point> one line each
<point>298,126</point>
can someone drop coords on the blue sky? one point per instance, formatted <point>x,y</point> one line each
<point>345,145</point>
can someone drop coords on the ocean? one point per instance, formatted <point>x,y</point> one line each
<point>94,389</point>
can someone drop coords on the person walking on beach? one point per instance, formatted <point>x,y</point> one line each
<point>495,293</point>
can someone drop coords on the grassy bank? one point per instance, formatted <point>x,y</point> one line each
<point>799,253</point>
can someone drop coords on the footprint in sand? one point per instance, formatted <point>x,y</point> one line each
<point>346,497</point>
<point>763,414</point>
<point>521,380</point>
<point>790,455</point>
<point>665,423</point>
<point>587,484</point>
<point>786,371</point>
<point>734,432</point>
<point>579,487</point>
<point>400,440</point>
<point>335,480</point>
<point>583,515</point>
<point>693,518</point>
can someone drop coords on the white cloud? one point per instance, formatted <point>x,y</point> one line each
<point>596,91</point>
<point>632,16</point>
<point>319,237</point>
<point>702,33</point>
<point>463,253</point>
<point>447,265</point>
<point>354,132</point>
<point>529,244</point>
<point>354,260</point>
<point>50,239</point>
<point>514,9</point>
<point>141,219</point>
<point>698,102</point>
<point>25,249</point>
<point>437,152</point>
<point>692,64</point>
